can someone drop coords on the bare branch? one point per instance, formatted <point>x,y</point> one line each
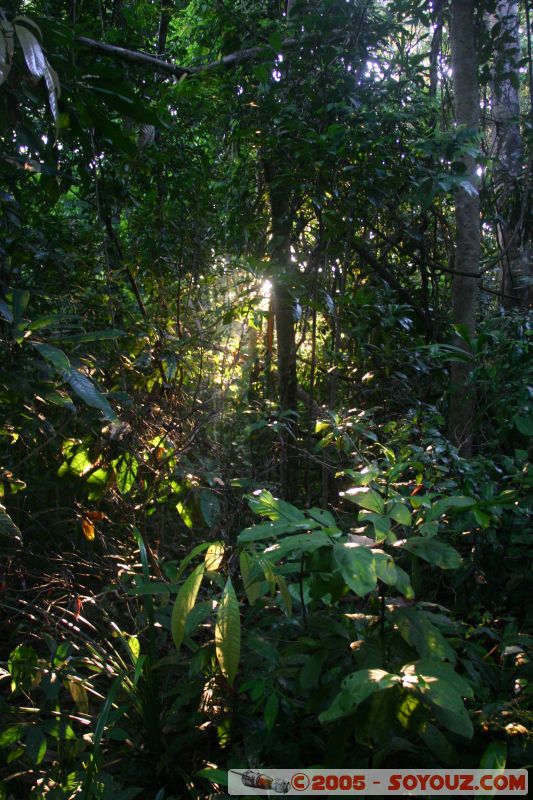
<point>135,57</point>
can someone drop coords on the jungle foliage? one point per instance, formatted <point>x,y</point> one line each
<point>237,528</point>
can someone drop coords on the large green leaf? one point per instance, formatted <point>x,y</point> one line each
<point>457,502</point>
<point>228,633</point>
<point>438,683</point>
<point>53,354</point>
<point>357,566</point>
<point>434,552</point>
<point>366,498</point>
<point>265,504</point>
<point>251,579</point>
<point>417,630</point>
<point>297,544</point>
<point>265,530</point>
<point>87,391</point>
<point>184,602</point>
<point>495,756</point>
<point>356,688</point>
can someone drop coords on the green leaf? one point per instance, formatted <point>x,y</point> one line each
<point>440,685</point>
<point>22,666</point>
<point>366,498</point>
<point>209,507</point>
<point>228,633</point>
<point>53,355</point>
<point>265,504</point>
<point>401,514</point>
<point>11,735</point>
<point>524,424</point>
<point>434,552</point>
<point>297,544</point>
<point>385,567</point>
<point>323,517</point>
<point>218,776</point>
<point>495,756</point>
<point>417,630</point>
<point>125,467</point>
<point>265,530</point>
<point>357,566</point>
<point>250,581</point>
<point>271,711</point>
<point>87,391</point>
<point>441,506</point>
<point>185,600</point>
<point>438,744</point>
<point>355,689</point>
<point>285,594</point>
<point>403,583</point>
<point>35,744</point>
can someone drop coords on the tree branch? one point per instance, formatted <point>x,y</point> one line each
<point>136,57</point>
<point>144,59</point>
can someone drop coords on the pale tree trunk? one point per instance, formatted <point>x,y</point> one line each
<point>467,249</point>
<point>508,151</point>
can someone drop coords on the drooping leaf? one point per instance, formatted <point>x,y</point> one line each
<point>54,355</point>
<point>185,600</point>
<point>228,633</point>
<point>285,594</point>
<point>33,52</point>
<point>434,552</point>
<point>87,391</point>
<point>250,580</point>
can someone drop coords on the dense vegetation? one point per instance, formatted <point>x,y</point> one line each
<point>266,389</point>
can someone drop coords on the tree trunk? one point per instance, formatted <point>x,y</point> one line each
<point>436,46</point>
<point>508,152</point>
<point>467,248</point>
<point>285,332</point>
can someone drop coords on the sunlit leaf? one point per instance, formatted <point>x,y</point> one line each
<point>228,633</point>
<point>185,600</point>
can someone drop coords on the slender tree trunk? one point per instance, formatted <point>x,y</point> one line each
<point>508,152</point>
<point>436,46</point>
<point>285,332</point>
<point>467,249</point>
